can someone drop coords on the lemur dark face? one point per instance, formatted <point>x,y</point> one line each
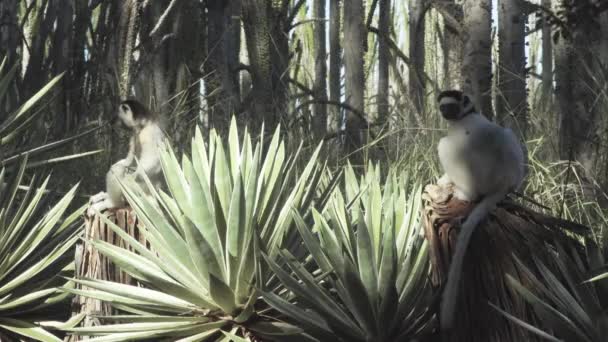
<point>133,114</point>
<point>454,105</point>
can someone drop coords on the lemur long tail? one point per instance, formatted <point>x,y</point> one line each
<point>450,293</point>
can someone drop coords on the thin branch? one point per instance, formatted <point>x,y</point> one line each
<point>94,4</point>
<point>163,18</point>
<point>360,114</point>
<point>400,54</point>
<point>370,15</point>
<point>301,86</point>
<point>294,11</point>
<point>303,22</point>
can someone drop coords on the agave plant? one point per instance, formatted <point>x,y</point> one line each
<point>34,245</point>
<point>370,283</point>
<point>223,204</point>
<point>17,121</point>
<point>570,306</point>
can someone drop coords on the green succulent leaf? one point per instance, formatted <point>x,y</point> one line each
<point>226,202</point>
<point>33,245</point>
<point>362,286</point>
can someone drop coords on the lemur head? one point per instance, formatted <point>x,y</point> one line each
<point>133,114</point>
<point>454,105</point>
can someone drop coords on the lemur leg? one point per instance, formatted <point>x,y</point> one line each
<point>444,180</point>
<point>98,197</point>
<point>113,197</point>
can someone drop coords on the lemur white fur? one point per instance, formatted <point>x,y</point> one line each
<point>485,162</point>
<point>142,158</point>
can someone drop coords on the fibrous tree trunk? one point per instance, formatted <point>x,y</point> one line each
<point>384,22</point>
<point>335,63</point>
<point>265,23</point>
<point>9,41</point>
<point>355,79</point>
<point>417,56</point>
<point>452,43</point>
<point>511,230</point>
<point>576,89</point>
<point>511,98</point>
<point>477,63</point>
<point>320,85</point>
<point>220,64</point>
<point>90,263</point>
<point>9,30</point>
<point>130,20</point>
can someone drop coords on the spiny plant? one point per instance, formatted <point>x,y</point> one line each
<point>225,202</point>
<point>570,305</point>
<point>35,241</point>
<point>369,282</point>
<point>15,122</point>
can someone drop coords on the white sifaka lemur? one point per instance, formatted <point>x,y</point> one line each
<point>143,157</point>
<point>484,162</point>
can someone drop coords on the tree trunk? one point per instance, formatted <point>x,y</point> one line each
<point>547,64</point>
<point>90,263</point>
<point>417,53</point>
<point>575,93</point>
<point>9,41</point>
<point>9,28</point>
<point>219,66</point>
<point>130,20</point>
<point>320,86</point>
<point>265,24</point>
<point>452,46</point>
<point>477,63</point>
<point>355,79</point>
<point>384,22</point>
<point>61,53</point>
<point>335,64</point>
<point>511,100</point>
<point>511,230</point>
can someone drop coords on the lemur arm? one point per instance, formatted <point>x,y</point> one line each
<point>149,162</point>
<point>130,158</point>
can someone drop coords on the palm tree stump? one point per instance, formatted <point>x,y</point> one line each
<point>506,243</point>
<point>90,263</point>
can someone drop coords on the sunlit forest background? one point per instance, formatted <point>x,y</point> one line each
<point>359,76</point>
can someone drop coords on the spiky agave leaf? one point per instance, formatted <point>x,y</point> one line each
<point>570,306</point>
<point>17,121</point>
<point>34,249</point>
<point>224,202</point>
<point>372,265</point>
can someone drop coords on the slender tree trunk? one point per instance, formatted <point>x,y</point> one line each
<point>477,63</point>
<point>355,79</point>
<point>417,53</point>
<point>234,51</point>
<point>168,63</point>
<point>9,28</point>
<point>335,63</point>
<point>130,21</point>
<point>511,100</point>
<point>320,86</point>
<point>575,93</point>
<point>384,22</point>
<point>221,63</point>
<point>451,42</point>
<point>9,41</point>
<point>547,64</point>
<point>61,48</point>
<point>265,24</point>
